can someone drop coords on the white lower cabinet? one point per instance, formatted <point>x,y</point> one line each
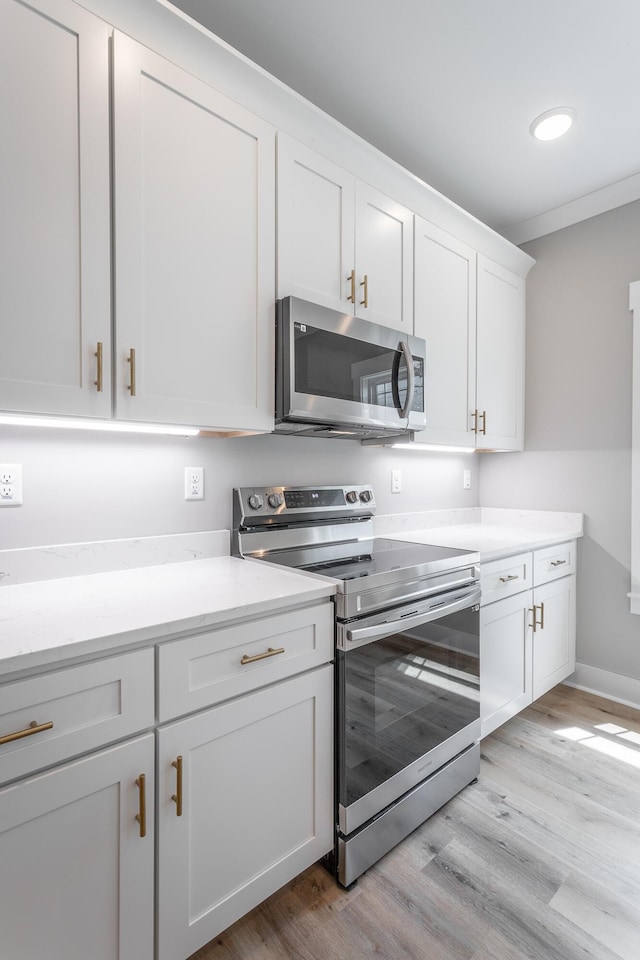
<point>245,803</point>
<point>245,790</point>
<point>505,660</point>
<point>554,639</point>
<point>527,630</point>
<point>77,875</point>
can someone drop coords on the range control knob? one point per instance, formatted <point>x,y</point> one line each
<point>366,496</point>
<point>352,496</point>
<point>255,501</point>
<point>275,500</point>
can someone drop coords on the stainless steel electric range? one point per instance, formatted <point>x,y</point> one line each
<point>407,658</point>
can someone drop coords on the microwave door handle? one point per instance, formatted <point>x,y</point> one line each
<point>363,635</point>
<point>411,379</point>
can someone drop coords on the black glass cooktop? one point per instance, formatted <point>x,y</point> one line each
<point>365,558</point>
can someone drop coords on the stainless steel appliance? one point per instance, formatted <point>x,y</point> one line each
<point>407,658</point>
<point>338,376</point>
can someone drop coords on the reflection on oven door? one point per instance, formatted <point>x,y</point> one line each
<point>407,704</point>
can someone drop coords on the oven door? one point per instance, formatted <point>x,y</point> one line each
<point>408,701</point>
<point>337,369</point>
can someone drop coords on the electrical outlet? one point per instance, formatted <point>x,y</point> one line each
<point>194,483</point>
<point>10,484</point>
<point>466,479</point>
<point>396,481</point>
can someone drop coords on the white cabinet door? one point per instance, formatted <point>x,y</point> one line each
<point>257,806</point>
<point>341,243</point>
<point>554,640</point>
<point>76,877</point>
<point>55,279</point>
<point>500,357</point>
<point>315,227</point>
<point>194,249</point>
<point>445,315</point>
<point>505,660</point>
<point>384,259</point>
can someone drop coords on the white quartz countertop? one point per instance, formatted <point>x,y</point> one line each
<point>47,621</point>
<point>493,533</point>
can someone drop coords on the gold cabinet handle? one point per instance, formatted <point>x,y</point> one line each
<point>177,796</point>
<point>351,279</point>
<point>141,817</point>
<point>512,576</point>
<point>132,372</point>
<point>270,652</point>
<point>29,731</point>
<point>474,425</point>
<point>98,356</point>
<point>537,623</point>
<point>483,417</point>
<point>557,563</point>
<point>365,284</point>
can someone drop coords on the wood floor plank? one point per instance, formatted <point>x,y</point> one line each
<point>539,860</point>
<point>556,838</point>
<point>589,905</point>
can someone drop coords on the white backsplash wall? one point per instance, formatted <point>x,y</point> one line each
<point>82,486</point>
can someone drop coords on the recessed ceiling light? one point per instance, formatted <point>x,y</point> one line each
<point>552,123</point>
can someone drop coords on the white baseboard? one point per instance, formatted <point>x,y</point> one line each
<point>613,686</point>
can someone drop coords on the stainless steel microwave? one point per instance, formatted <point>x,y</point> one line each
<point>339,376</point>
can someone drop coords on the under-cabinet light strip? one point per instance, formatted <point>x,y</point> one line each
<point>105,425</point>
<point>430,447</point>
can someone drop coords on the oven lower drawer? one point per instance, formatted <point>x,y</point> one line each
<point>355,814</point>
<point>358,852</point>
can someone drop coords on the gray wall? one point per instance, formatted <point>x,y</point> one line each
<point>578,419</point>
<point>82,486</point>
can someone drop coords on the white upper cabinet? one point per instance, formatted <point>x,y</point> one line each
<point>500,357</point>
<point>55,279</point>
<point>341,243</point>
<point>470,311</point>
<point>383,260</point>
<point>316,223</point>
<point>445,315</point>
<point>194,249</point>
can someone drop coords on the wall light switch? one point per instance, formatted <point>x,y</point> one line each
<point>194,483</point>
<point>396,481</point>
<point>466,479</point>
<point>10,484</point>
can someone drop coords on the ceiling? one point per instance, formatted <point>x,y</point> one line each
<point>449,88</point>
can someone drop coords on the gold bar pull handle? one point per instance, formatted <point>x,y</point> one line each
<point>177,796</point>
<point>351,279</point>
<point>512,576</point>
<point>131,360</point>
<point>474,422</point>
<point>34,727</point>
<point>537,623</point>
<point>141,817</point>
<point>365,284</point>
<point>98,356</point>
<point>270,652</point>
<point>483,417</point>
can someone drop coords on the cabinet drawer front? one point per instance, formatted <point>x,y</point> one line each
<point>208,668</point>
<point>554,562</point>
<point>87,706</point>
<point>503,578</point>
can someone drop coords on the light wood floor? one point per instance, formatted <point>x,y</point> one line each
<point>540,860</point>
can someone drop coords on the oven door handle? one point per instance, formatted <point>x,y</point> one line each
<point>362,635</point>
